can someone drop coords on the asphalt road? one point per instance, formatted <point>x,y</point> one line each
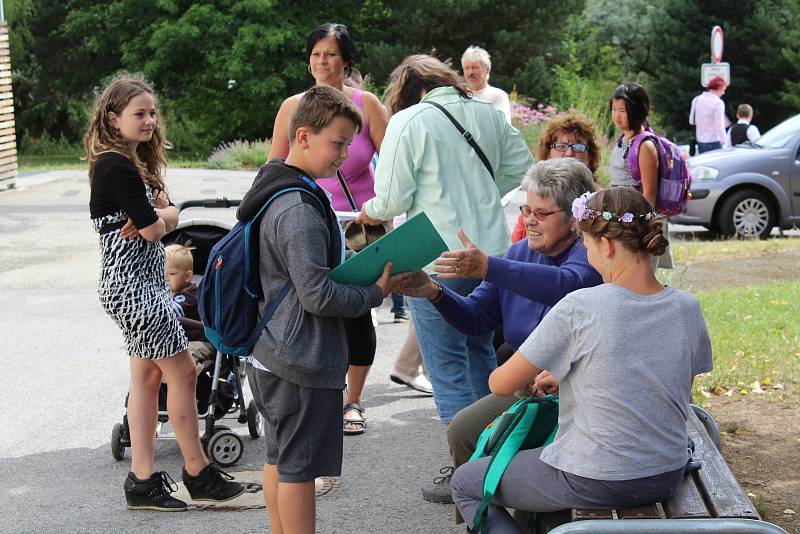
<point>66,376</point>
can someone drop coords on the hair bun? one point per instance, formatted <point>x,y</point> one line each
<point>654,241</point>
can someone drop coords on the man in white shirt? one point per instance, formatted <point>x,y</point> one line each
<point>477,65</point>
<point>743,131</point>
<point>708,116</point>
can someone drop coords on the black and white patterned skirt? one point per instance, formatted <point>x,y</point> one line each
<point>133,290</point>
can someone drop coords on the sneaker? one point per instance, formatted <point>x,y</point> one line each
<point>153,493</point>
<point>419,382</point>
<point>401,317</point>
<point>212,484</point>
<point>439,490</point>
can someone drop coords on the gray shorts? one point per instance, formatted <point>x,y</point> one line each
<point>302,426</point>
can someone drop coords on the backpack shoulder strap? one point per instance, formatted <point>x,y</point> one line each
<point>467,137</point>
<point>255,221</point>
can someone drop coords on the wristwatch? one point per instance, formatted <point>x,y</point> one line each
<point>439,293</point>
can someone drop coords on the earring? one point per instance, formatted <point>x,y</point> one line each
<point>309,69</point>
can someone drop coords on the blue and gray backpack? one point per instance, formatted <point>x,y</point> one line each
<point>228,294</point>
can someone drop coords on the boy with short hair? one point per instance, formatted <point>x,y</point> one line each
<point>743,130</point>
<point>298,365</point>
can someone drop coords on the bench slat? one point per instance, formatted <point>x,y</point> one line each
<point>582,515</point>
<point>724,496</point>
<point>645,511</point>
<point>686,502</point>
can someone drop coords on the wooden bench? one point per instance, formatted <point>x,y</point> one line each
<point>711,496</point>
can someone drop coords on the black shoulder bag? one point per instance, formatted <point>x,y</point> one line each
<point>467,137</point>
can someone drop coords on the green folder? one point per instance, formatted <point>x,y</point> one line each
<point>410,247</point>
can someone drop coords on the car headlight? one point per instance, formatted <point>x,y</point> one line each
<point>704,174</point>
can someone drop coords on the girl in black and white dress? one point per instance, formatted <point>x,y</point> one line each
<point>131,212</point>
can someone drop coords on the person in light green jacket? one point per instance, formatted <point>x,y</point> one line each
<point>427,165</point>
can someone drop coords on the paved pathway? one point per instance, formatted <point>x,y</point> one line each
<point>66,375</point>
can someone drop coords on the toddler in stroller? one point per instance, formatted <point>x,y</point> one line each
<point>220,376</point>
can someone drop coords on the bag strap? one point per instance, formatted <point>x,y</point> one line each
<point>467,137</point>
<point>270,310</point>
<point>346,189</point>
<point>507,446</point>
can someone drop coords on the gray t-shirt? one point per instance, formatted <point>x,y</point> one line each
<point>625,364</point>
<point>618,168</point>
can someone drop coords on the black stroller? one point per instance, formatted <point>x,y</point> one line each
<point>219,386</point>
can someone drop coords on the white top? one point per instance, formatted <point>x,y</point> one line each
<point>496,97</point>
<point>708,116</point>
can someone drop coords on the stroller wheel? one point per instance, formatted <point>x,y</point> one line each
<point>255,424</point>
<point>225,448</point>
<point>117,447</point>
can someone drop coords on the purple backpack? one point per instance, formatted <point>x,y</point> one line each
<point>674,178</point>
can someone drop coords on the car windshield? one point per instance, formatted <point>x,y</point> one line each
<point>778,136</point>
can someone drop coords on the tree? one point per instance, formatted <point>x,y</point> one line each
<point>754,31</point>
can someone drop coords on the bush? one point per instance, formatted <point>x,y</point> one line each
<point>48,146</point>
<point>240,154</point>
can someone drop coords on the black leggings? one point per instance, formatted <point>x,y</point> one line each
<point>361,342</point>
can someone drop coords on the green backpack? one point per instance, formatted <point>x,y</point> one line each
<point>529,423</point>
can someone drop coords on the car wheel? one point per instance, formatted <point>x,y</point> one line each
<point>747,213</point>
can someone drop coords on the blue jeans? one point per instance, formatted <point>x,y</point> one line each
<point>707,147</point>
<point>458,365</point>
<point>398,303</point>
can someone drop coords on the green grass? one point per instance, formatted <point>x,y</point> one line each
<point>755,335</point>
<point>688,251</point>
<point>35,164</point>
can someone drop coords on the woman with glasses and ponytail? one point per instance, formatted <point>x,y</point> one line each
<point>571,135</point>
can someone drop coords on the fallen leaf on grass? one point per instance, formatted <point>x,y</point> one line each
<point>718,390</point>
<point>777,386</point>
<point>756,388</point>
<point>729,393</point>
<point>751,494</point>
<point>788,511</point>
<point>744,392</point>
<point>766,382</point>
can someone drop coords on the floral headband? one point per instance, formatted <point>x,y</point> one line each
<point>583,213</point>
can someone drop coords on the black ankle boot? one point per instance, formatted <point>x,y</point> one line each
<point>212,484</point>
<point>153,493</point>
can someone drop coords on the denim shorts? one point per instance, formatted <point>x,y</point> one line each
<point>302,426</point>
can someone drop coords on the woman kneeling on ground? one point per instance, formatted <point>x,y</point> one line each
<point>629,347</point>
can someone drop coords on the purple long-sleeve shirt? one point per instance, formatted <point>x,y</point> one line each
<point>518,290</point>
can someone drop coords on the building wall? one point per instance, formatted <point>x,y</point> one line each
<point>8,136</point>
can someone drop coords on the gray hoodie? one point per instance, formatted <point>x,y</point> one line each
<point>305,341</point>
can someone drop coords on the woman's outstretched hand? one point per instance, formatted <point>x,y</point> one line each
<point>419,284</point>
<point>363,218</point>
<point>468,263</point>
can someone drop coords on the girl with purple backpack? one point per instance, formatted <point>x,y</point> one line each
<point>635,157</point>
<point>630,106</point>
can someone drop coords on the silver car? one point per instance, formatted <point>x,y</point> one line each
<point>746,190</point>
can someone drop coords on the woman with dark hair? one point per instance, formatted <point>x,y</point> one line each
<point>607,352</point>
<point>428,166</point>
<point>571,135</point>
<point>629,107</point>
<point>331,53</point>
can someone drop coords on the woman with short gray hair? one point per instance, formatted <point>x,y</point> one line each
<point>517,289</point>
